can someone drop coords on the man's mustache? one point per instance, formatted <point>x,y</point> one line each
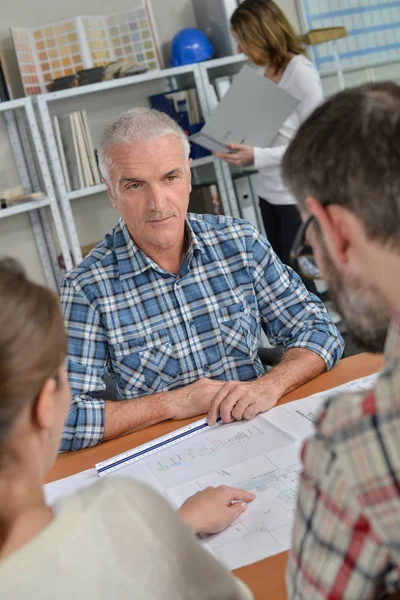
<point>159,216</point>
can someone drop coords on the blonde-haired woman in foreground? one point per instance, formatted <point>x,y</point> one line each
<point>117,539</point>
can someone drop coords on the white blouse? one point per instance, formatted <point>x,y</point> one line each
<point>300,79</point>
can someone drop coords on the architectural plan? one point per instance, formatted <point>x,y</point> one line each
<point>261,456</point>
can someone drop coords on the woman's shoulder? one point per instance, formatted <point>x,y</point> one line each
<point>300,65</point>
<point>117,491</point>
<point>302,79</point>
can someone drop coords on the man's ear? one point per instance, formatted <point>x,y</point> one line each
<point>110,193</point>
<point>44,409</point>
<point>334,227</point>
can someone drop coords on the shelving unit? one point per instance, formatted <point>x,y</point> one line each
<point>237,180</point>
<point>34,174</point>
<point>119,94</point>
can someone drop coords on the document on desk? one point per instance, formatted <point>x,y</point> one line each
<point>261,456</point>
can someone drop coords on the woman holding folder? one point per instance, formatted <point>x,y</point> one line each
<point>266,36</point>
<point>117,539</point>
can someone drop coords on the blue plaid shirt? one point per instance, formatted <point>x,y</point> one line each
<point>153,331</point>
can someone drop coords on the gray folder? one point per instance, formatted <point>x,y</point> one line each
<point>251,112</point>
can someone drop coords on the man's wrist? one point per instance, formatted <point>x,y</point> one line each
<point>168,403</point>
<point>273,385</point>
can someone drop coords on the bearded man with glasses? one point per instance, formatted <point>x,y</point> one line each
<point>343,167</point>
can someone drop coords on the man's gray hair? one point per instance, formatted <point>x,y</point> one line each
<point>137,124</point>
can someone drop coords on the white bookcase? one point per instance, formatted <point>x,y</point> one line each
<point>237,180</point>
<point>103,102</point>
<point>34,174</point>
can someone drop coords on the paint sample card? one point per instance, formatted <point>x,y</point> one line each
<point>60,49</point>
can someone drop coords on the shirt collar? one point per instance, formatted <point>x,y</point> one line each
<point>133,261</point>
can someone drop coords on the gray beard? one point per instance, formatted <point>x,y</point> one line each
<point>363,309</point>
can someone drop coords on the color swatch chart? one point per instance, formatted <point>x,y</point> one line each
<point>127,35</point>
<point>58,49</point>
<point>373,31</point>
<point>45,53</point>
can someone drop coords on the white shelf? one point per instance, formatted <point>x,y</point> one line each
<point>199,162</point>
<point>88,191</point>
<point>23,207</point>
<point>11,104</point>
<point>103,86</point>
<point>224,61</point>
<point>97,189</point>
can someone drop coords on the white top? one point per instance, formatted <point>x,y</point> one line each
<point>117,539</point>
<point>300,79</point>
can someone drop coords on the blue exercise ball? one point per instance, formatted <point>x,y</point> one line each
<point>190,45</point>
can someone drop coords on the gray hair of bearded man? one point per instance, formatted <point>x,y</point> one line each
<point>137,125</point>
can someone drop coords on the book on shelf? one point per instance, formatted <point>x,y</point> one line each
<point>5,89</point>
<point>61,152</point>
<point>204,199</point>
<point>75,148</point>
<point>89,148</point>
<point>180,105</point>
<point>83,157</point>
<point>79,174</point>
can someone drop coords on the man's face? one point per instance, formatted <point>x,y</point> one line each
<point>150,189</point>
<point>362,307</point>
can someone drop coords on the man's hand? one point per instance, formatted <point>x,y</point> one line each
<point>213,509</point>
<point>193,399</point>
<point>240,155</point>
<point>237,400</point>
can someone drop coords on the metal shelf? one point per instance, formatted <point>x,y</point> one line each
<point>33,169</point>
<point>97,189</point>
<point>88,191</point>
<point>23,207</point>
<point>224,61</point>
<point>113,84</point>
<point>205,160</point>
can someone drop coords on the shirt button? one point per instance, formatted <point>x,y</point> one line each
<point>178,283</point>
<point>206,369</point>
<point>241,307</point>
<point>191,324</point>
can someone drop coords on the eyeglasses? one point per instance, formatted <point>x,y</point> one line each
<point>301,254</point>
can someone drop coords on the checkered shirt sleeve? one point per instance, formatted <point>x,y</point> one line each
<point>346,538</point>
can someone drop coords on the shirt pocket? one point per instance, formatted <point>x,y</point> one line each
<point>234,323</point>
<point>146,364</point>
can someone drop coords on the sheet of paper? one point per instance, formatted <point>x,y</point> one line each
<point>297,418</point>
<point>261,455</point>
<point>65,487</point>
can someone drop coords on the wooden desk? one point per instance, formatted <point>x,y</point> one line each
<point>264,578</point>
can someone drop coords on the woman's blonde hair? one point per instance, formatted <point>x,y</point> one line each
<point>264,33</point>
<point>32,342</point>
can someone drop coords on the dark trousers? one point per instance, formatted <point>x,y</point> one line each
<point>281,222</point>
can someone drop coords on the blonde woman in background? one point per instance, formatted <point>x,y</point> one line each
<point>117,539</point>
<point>265,35</point>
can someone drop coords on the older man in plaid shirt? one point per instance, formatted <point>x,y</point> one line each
<point>171,305</point>
<point>344,169</point>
